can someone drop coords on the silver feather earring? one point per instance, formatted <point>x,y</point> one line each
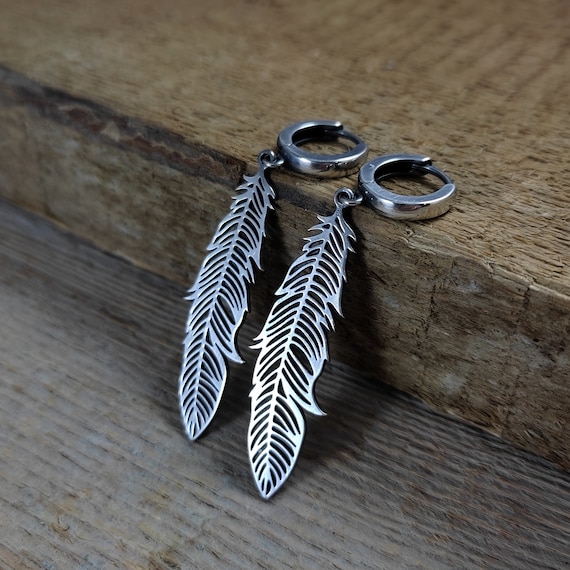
<point>293,343</point>
<point>219,296</point>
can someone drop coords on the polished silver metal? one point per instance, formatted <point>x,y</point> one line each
<point>219,297</point>
<point>291,139</point>
<point>399,206</point>
<point>293,342</point>
<point>293,348</point>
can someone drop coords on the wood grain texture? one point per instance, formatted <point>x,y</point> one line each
<point>129,123</point>
<point>96,472</point>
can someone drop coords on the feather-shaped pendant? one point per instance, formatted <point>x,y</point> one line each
<point>293,348</point>
<point>220,299</point>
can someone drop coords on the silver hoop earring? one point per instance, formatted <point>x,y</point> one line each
<point>219,296</point>
<point>293,342</point>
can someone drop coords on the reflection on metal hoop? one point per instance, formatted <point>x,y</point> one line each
<point>292,138</point>
<point>398,206</point>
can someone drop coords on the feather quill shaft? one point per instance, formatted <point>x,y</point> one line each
<point>219,300</point>
<point>293,350</point>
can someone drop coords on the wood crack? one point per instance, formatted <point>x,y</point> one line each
<point>129,133</point>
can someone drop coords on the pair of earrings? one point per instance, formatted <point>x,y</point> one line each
<point>293,342</point>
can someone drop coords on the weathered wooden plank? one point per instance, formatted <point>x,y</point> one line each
<point>129,124</point>
<point>95,470</point>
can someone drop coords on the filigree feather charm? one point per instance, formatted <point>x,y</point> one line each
<point>219,296</point>
<point>220,299</point>
<point>293,348</point>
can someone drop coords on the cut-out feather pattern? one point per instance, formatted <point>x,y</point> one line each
<point>293,350</point>
<point>220,300</point>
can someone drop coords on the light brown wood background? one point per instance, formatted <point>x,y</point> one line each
<point>129,124</point>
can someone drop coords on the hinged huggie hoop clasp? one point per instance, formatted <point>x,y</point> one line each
<point>398,206</point>
<point>325,166</point>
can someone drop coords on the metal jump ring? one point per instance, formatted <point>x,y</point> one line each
<point>322,165</point>
<point>398,206</point>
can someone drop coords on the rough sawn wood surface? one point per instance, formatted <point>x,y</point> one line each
<point>129,123</point>
<point>96,472</point>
